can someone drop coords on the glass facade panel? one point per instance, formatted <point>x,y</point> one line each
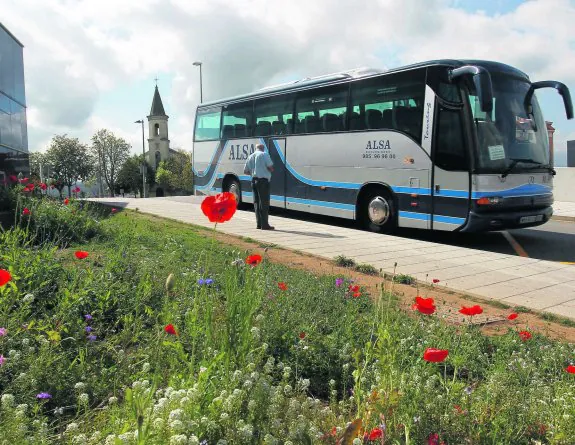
<point>13,128</point>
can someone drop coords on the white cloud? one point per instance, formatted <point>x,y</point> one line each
<point>77,51</point>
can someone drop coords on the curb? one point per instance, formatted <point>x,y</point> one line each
<point>563,218</point>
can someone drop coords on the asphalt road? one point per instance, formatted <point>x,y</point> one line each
<point>554,241</point>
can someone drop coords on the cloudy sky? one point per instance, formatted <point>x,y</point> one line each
<point>91,64</point>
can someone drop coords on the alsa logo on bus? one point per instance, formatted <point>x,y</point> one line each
<point>378,145</point>
<point>241,152</point>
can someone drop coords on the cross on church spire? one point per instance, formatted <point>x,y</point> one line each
<point>156,79</point>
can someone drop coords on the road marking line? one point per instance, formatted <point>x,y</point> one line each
<point>516,246</point>
<point>568,262</point>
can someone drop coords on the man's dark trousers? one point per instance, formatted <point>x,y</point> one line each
<point>261,188</point>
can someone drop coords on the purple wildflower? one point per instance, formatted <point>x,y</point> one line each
<point>201,281</point>
<point>3,332</point>
<point>339,282</point>
<point>2,359</point>
<point>209,281</point>
<point>92,337</point>
<point>88,317</point>
<point>43,395</point>
<point>88,329</point>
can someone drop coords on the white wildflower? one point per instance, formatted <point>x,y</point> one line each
<point>110,439</point>
<point>72,428</point>
<point>288,390</point>
<point>177,425</point>
<point>25,342</point>
<point>7,400</point>
<point>260,317</point>
<point>158,423</point>
<point>112,400</point>
<point>83,399</point>
<point>356,441</point>
<point>80,439</point>
<point>194,440</point>
<point>146,367</point>
<point>180,439</point>
<point>176,414</point>
<point>28,298</point>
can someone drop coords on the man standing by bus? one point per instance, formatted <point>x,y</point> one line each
<point>259,166</point>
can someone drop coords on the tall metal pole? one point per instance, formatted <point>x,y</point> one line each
<point>143,159</point>
<point>143,163</point>
<point>201,88</point>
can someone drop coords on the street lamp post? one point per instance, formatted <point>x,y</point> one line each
<point>200,65</point>
<point>141,121</point>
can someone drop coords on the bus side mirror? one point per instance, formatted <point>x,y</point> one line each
<point>482,81</point>
<point>560,87</point>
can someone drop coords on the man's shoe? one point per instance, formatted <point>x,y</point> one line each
<point>268,228</point>
<point>258,227</point>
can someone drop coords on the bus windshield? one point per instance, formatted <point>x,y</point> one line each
<point>508,139</point>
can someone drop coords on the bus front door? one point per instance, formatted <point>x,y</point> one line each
<point>277,151</point>
<point>450,177</point>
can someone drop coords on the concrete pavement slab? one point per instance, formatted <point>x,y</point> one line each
<point>512,279</point>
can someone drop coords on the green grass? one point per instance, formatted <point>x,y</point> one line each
<point>343,261</point>
<point>404,279</point>
<point>367,269</point>
<point>252,362</point>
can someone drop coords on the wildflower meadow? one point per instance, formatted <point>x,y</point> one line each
<point>122,328</point>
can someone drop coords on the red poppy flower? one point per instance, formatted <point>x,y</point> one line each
<point>433,439</point>
<point>28,188</point>
<point>302,335</point>
<point>76,190</point>
<point>435,355</point>
<point>512,316</point>
<point>356,294</point>
<point>66,201</point>
<point>570,369</point>
<point>435,281</point>
<point>376,433</point>
<point>4,277</point>
<point>114,210</point>
<point>353,288</point>
<point>43,186</point>
<point>254,260</point>
<point>26,211</point>
<point>23,180</point>
<point>282,285</point>
<point>170,329</point>
<point>471,311</point>
<point>219,208</point>
<point>525,335</point>
<point>424,305</point>
<point>81,254</point>
<point>13,178</point>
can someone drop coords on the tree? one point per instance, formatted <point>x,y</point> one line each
<point>69,162</point>
<point>164,176</point>
<point>180,167</point>
<point>130,175</point>
<point>110,152</point>
<point>38,165</point>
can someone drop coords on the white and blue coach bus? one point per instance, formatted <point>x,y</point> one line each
<point>456,145</point>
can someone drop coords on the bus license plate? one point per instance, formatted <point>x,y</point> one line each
<point>530,219</point>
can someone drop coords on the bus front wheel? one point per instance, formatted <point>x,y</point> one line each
<point>233,187</point>
<point>378,212</point>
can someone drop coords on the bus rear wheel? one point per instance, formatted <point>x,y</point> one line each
<point>233,187</point>
<point>377,212</point>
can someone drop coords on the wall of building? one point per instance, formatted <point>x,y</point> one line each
<point>13,127</point>
<point>564,184</point>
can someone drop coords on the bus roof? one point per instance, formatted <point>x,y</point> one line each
<point>361,73</point>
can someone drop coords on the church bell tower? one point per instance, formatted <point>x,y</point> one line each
<point>158,142</point>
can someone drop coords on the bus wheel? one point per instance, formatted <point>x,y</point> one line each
<point>233,187</point>
<point>378,212</point>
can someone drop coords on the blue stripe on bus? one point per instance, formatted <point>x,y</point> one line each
<point>522,190</point>
<point>427,217</point>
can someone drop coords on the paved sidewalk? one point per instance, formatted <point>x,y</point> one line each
<point>541,285</point>
<point>564,210</point>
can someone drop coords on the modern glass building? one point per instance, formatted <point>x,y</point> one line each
<point>13,128</point>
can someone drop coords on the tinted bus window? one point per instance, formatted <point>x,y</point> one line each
<point>321,110</point>
<point>389,102</point>
<point>237,120</point>
<point>273,115</point>
<point>208,124</point>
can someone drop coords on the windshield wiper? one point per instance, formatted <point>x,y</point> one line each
<point>515,161</point>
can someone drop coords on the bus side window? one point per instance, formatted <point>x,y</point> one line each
<point>273,115</point>
<point>237,120</point>
<point>207,125</point>
<point>450,148</point>
<point>321,110</point>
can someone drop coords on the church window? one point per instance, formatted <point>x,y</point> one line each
<point>157,129</point>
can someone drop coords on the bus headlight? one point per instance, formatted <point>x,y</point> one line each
<point>493,200</point>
